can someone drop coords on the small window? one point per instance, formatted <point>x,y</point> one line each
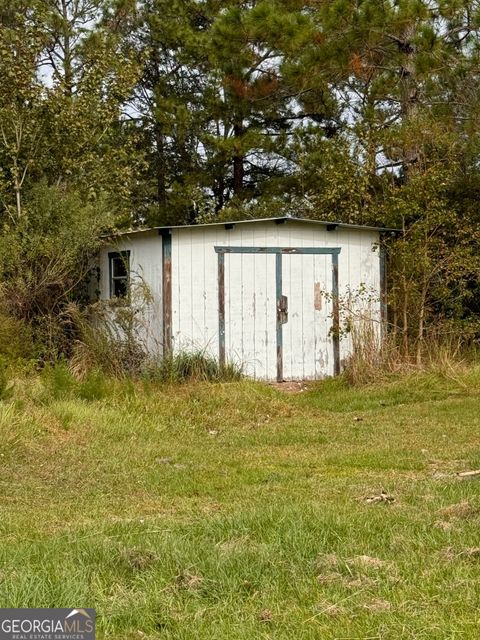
<point>119,273</point>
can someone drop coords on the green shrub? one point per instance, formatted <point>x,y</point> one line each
<point>93,387</point>
<point>6,386</point>
<point>43,266</point>
<point>59,381</point>
<point>15,339</point>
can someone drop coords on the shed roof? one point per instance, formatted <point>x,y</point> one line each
<point>277,220</point>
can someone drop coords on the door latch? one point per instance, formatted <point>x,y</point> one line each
<point>282,309</point>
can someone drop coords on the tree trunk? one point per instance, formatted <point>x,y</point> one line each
<point>405,315</point>
<point>16,173</point>
<point>421,320</point>
<point>18,199</point>
<point>395,319</point>
<point>238,161</point>
<point>219,191</point>
<point>160,165</point>
<point>409,99</point>
<point>67,60</point>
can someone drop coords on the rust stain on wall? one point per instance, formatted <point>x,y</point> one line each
<point>318,296</point>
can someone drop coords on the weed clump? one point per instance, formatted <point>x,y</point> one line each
<point>377,355</point>
<point>61,384</point>
<point>6,386</point>
<point>194,366</point>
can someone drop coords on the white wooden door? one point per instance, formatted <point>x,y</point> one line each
<point>307,341</point>
<point>251,313</point>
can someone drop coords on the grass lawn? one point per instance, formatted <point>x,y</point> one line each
<point>239,511</point>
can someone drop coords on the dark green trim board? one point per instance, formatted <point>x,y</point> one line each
<point>221,308</point>
<point>167,291</point>
<point>336,316</point>
<point>383,286</point>
<point>281,301</point>
<point>283,250</point>
<point>279,293</point>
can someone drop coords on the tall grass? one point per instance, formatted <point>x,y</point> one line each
<point>115,338</point>
<point>6,385</point>
<point>375,357</point>
<point>60,383</point>
<point>194,365</point>
<point>102,343</point>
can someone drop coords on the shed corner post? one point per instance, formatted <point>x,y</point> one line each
<point>167,290</point>
<point>221,307</point>
<point>383,287</point>
<point>336,315</point>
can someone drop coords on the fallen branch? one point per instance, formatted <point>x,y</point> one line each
<point>469,474</point>
<point>383,497</point>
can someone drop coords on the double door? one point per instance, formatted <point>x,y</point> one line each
<point>278,311</point>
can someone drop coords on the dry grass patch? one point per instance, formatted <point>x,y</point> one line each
<point>459,511</point>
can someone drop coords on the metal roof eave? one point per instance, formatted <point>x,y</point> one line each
<point>278,220</point>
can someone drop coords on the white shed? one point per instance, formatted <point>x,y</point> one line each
<point>268,294</point>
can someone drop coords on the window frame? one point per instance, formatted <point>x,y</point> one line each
<point>125,256</point>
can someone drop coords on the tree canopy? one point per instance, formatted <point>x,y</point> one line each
<point>135,113</point>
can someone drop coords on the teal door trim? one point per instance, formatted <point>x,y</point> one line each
<point>279,252</point>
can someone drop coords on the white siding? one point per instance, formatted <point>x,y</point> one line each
<point>250,294</point>
<point>250,297</point>
<point>146,280</point>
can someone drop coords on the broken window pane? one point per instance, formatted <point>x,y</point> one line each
<point>119,273</point>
